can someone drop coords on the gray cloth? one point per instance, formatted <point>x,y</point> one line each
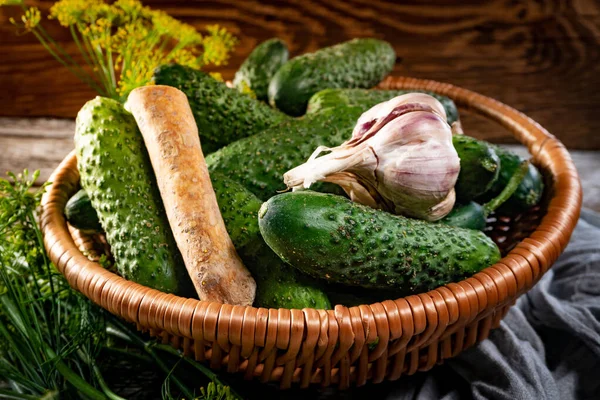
<point>547,347</point>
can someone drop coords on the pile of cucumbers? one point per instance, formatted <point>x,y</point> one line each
<point>301,247</point>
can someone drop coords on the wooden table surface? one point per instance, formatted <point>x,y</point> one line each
<point>541,57</point>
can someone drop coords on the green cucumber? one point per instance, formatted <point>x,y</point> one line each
<point>223,115</point>
<point>528,194</point>
<point>278,285</point>
<point>473,215</point>
<point>259,162</point>
<point>479,167</point>
<point>257,70</point>
<point>116,173</point>
<point>358,63</point>
<point>367,98</point>
<point>333,238</point>
<point>80,213</point>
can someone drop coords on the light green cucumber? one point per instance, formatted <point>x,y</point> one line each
<point>118,177</point>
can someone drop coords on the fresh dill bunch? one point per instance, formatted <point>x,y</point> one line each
<point>123,42</point>
<point>52,338</point>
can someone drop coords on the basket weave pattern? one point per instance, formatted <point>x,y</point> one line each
<point>332,347</point>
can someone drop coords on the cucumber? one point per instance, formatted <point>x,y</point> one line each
<point>479,167</point>
<point>80,213</point>
<point>223,115</point>
<point>278,285</point>
<point>473,215</point>
<point>259,162</point>
<point>260,66</point>
<point>358,63</point>
<point>333,238</point>
<point>116,173</point>
<point>367,98</point>
<point>528,194</point>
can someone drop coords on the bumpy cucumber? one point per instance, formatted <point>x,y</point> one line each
<point>529,192</point>
<point>259,162</point>
<point>223,115</point>
<point>368,98</point>
<point>260,66</point>
<point>117,174</point>
<point>473,215</point>
<point>277,284</point>
<point>358,63</point>
<point>479,167</point>
<point>80,213</point>
<point>333,238</point>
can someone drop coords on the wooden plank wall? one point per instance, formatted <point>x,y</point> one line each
<point>541,57</point>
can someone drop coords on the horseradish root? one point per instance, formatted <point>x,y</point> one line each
<point>164,117</point>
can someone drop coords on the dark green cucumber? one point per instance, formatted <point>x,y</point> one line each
<point>529,192</point>
<point>278,285</point>
<point>257,70</point>
<point>259,162</point>
<point>333,238</point>
<point>469,216</point>
<point>479,167</point>
<point>223,115</point>
<point>367,98</point>
<point>358,63</point>
<point>80,213</point>
<point>473,215</point>
<point>116,173</point>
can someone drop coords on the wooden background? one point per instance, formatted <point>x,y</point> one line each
<point>541,57</point>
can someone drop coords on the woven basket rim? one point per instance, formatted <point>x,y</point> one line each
<point>433,314</point>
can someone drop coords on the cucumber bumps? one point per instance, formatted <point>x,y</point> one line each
<point>223,115</point>
<point>277,284</point>
<point>118,177</point>
<point>333,238</point>
<point>259,162</point>
<point>358,63</point>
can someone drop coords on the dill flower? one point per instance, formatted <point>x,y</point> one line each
<point>29,20</point>
<point>218,45</point>
<point>123,42</point>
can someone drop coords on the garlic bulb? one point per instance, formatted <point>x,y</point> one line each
<point>400,158</point>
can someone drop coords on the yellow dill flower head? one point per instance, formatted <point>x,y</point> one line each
<point>70,12</point>
<point>218,45</point>
<point>29,20</point>
<point>245,89</point>
<point>130,7</point>
<point>186,58</point>
<point>217,76</point>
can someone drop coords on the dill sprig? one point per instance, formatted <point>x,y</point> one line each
<point>53,339</point>
<point>123,42</point>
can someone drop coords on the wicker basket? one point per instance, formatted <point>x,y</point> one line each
<point>331,347</point>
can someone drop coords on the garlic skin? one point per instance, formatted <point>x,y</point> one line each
<point>400,158</point>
